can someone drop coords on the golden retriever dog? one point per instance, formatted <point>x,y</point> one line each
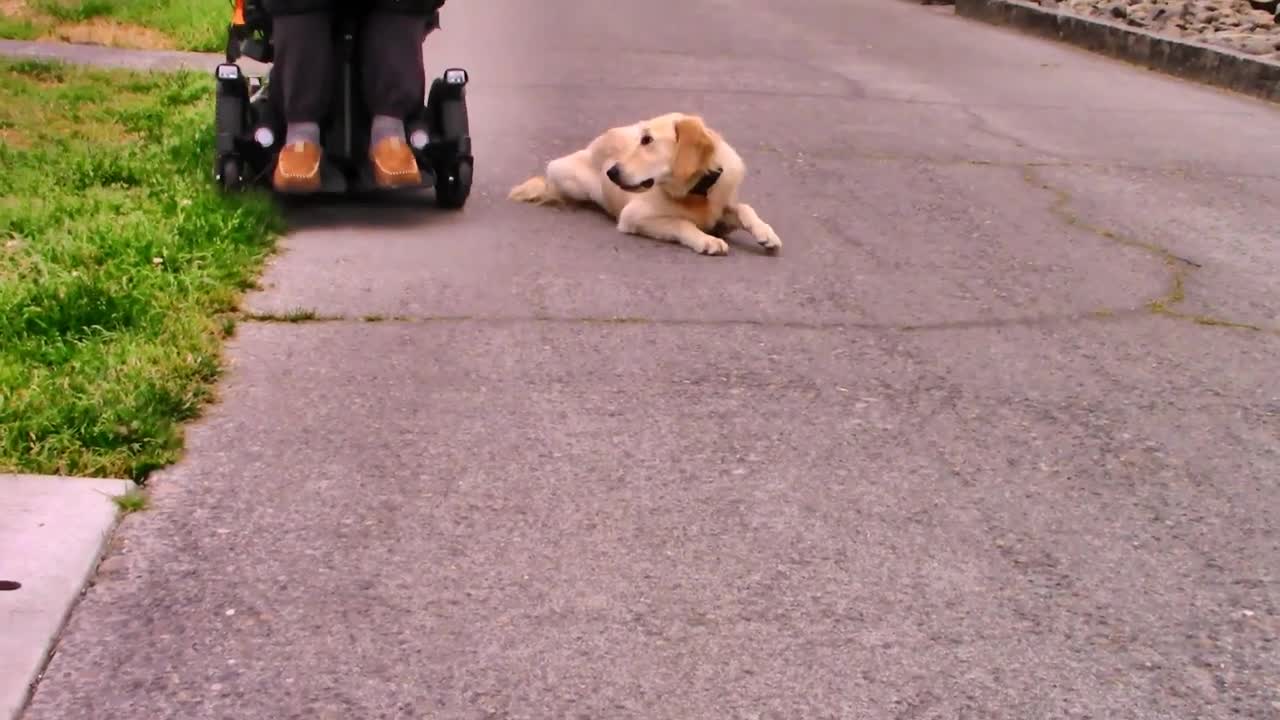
<point>670,178</point>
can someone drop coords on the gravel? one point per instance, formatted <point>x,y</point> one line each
<point>1247,26</point>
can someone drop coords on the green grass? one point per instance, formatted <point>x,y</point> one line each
<point>75,10</point>
<point>199,25</point>
<point>18,28</point>
<point>135,500</point>
<point>120,266</point>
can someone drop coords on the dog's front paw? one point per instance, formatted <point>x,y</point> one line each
<point>768,239</point>
<point>711,245</point>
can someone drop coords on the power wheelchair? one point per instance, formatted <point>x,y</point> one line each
<point>250,129</point>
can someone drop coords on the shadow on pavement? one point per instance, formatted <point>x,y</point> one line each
<point>367,209</point>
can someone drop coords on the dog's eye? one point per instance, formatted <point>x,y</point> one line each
<point>646,139</point>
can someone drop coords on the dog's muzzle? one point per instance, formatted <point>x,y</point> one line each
<point>615,176</point>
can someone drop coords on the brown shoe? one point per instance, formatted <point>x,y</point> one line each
<point>298,168</point>
<point>394,165</point>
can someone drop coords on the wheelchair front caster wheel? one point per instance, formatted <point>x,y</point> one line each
<point>229,174</point>
<point>453,185</point>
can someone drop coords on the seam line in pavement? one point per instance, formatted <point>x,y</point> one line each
<point>310,317</point>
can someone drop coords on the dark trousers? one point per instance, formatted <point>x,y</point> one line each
<point>390,62</point>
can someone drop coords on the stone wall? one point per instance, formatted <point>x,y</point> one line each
<point>1248,26</point>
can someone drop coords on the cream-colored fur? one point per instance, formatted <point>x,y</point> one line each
<point>659,161</point>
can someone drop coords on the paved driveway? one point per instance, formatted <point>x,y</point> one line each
<point>996,436</point>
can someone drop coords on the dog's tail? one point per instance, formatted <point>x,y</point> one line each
<point>535,190</point>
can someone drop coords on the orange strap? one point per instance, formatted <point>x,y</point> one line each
<point>237,18</point>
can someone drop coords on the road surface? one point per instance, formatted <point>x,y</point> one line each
<point>996,436</point>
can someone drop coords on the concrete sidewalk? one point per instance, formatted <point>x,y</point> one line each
<point>52,532</point>
<point>103,56</point>
<point>971,446</point>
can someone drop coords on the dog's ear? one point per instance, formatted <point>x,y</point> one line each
<point>694,149</point>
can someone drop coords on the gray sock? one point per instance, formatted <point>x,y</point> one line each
<point>385,126</point>
<point>300,132</point>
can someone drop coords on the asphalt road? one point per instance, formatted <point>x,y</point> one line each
<point>997,435</point>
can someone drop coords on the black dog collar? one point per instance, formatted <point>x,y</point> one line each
<point>705,184</point>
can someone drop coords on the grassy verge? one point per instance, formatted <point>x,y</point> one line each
<point>158,24</point>
<point>120,264</point>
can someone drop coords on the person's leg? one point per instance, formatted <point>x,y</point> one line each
<point>394,82</point>
<point>302,73</point>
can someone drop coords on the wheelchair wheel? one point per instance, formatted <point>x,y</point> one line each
<point>450,132</point>
<point>447,111</point>
<point>454,123</point>
<point>453,185</point>
<point>231,108</point>
<point>230,174</point>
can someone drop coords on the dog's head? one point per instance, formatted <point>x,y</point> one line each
<point>673,152</point>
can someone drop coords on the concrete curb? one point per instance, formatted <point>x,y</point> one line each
<point>1214,66</point>
<point>52,534</point>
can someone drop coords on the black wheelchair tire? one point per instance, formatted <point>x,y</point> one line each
<point>447,112</point>
<point>454,121</point>
<point>453,194</point>
<point>230,120</point>
<point>231,174</point>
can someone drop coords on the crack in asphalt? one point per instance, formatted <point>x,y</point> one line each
<point>1180,268</point>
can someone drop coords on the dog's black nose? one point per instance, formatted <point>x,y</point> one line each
<point>615,175</point>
